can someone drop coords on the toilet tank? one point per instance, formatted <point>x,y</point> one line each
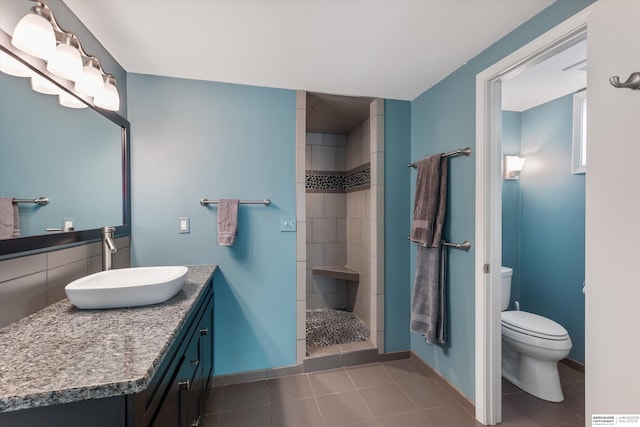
<point>506,274</point>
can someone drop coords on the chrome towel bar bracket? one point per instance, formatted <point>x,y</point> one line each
<point>465,246</point>
<point>266,202</point>
<point>459,152</point>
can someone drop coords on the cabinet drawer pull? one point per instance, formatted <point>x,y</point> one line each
<point>204,331</point>
<point>195,362</point>
<point>184,384</point>
<point>196,423</point>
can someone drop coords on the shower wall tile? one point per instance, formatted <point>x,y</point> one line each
<point>313,138</point>
<point>301,311</point>
<point>315,205</point>
<point>301,279</point>
<point>335,205</point>
<point>323,158</point>
<point>315,255</point>
<point>301,124</point>
<point>341,158</point>
<point>335,254</point>
<point>301,243</point>
<point>324,230</point>
<point>334,139</point>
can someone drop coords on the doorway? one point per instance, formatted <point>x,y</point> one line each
<point>489,237</point>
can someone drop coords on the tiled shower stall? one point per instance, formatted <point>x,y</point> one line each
<point>341,214</point>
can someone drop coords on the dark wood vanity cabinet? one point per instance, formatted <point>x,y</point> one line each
<point>184,401</point>
<point>182,389</point>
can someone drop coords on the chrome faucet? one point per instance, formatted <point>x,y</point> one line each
<point>108,247</point>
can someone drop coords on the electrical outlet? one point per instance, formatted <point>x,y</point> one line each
<point>287,223</point>
<point>183,225</point>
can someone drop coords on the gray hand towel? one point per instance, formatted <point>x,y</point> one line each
<point>9,218</point>
<point>430,201</point>
<point>227,221</point>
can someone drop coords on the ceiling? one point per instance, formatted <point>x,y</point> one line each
<point>377,48</point>
<point>559,75</point>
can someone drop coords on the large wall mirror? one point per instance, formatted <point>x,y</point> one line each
<point>77,158</point>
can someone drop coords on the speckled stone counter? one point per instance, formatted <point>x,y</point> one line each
<point>62,354</point>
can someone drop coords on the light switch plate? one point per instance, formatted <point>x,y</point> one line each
<point>183,225</point>
<point>287,223</point>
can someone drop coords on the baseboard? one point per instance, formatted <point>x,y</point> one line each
<point>573,364</point>
<point>468,405</point>
<point>313,364</point>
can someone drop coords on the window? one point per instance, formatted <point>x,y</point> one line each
<point>579,158</point>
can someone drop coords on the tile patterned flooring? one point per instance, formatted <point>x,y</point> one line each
<point>396,394</point>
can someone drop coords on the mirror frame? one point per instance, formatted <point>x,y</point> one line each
<point>21,246</point>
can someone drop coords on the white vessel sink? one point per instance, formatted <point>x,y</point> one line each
<point>126,287</point>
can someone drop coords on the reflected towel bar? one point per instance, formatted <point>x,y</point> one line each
<point>42,201</point>
<point>266,202</point>
<point>465,246</point>
<point>460,151</point>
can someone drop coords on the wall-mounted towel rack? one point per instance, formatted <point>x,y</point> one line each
<point>266,202</point>
<point>465,246</point>
<point>42,201</point>
<point>459,152</point>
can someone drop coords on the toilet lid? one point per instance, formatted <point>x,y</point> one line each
<point>532,324</point>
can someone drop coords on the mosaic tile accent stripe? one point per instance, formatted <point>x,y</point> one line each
<point>338,182</point>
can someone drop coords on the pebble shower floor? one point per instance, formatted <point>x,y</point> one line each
<point>329,327</point>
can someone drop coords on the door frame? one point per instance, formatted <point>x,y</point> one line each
<point>488,205</point>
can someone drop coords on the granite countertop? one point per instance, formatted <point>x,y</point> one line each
<point>63,354</point>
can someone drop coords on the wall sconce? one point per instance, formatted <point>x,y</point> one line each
<point>38,34</point>
<point>513,166</point>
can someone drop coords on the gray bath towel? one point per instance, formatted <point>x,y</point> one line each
<point>428,308</point>
<point>227,221</point>
<point>9,218</point>
<point>430,201</point>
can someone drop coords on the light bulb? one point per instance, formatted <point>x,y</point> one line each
<point>43,85</point>
<point>109,99</point>
<point>90,82</point>
<point>34,35</point>
<point>68,100</point>
<point>66,62</point>
<point>10,65</point>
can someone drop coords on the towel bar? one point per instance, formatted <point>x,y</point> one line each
<point>460,151</point>
<point>42,201</point>
<point>465,246</point>
<point>266,202</point>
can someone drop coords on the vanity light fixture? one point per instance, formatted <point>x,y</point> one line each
<point>513,165</point>
<point>38,34</point>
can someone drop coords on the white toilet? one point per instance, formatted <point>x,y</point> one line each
<point>532,345</point>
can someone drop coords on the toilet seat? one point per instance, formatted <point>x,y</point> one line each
<point>533,325</point>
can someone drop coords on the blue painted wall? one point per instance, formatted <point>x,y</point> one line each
<point>195,139</point>
<point>511,146</point>
<point>553,221</point>
<point>397,140</point>
<point>442,119</point>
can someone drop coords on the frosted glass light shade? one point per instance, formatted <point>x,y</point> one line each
<point>68,100</point>
<point>42,85</point>
<point>66,62</point>
<point>109,99</point>
<point>34,35</point>
<point>90,82</point>
<point>10,65</point>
